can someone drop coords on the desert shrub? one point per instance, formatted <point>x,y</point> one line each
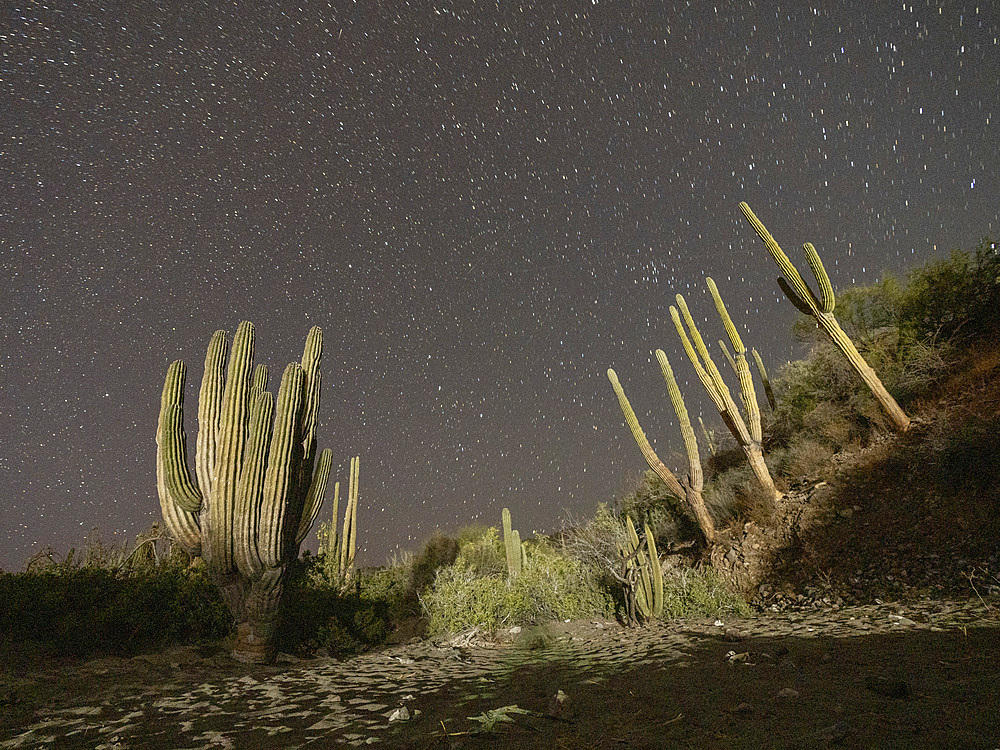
<point>691,592</point>
<point>804,457</point>
<point>737,495</point>
<point>476,592</point>
<point>955,299</point>
<point>315,615</point>
<point>84,611</point>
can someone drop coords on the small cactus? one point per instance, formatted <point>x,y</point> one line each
<point>644,564</point>
<point>821,309</point>
<point>512,546</point>
<point>765,380</point>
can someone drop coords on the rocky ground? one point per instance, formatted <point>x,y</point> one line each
<point>923,674</point>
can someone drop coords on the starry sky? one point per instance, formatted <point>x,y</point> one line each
<point>484,205</point>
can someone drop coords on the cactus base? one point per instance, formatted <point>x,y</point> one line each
<point>254,643</point>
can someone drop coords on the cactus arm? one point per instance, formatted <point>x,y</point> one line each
<point>272,541</point>
<point>316,496</point>
<point>171,443</point>
<point>312,355</point>
<point>794,279</point>
<point>231,444</point>
<point>727,322</point>
<point>699,345</point>
<point>765,379</point>
<point>700,371</point>
<point>518,551</point>
<point>673,485</point>
<point>180,499</point>
<point>827,300</point>
<point>729,357</point>
<point>508,542</point>
<point>747,392</point>
<point>644,595</point>
<point>708,436</point>
<point>657,574</point>
<point>345,534</point>
<point>210,410</point>
<point>246,522</point>
<point>259,383</point>
<point>695,478</point>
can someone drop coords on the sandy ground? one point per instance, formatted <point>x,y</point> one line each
<point>914,676</point>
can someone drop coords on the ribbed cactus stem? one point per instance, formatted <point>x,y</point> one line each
<point>821,308</point>
<point>251,507</point>
<point>728,356</point>
<point>656,574</point>
<point>695,479</point>
<point>348,543</point>
<point>747,392</point>
<point>512,545</point>
<point>765,380</point>
<point>708,436</point>
<point>644,592</point>
<point>654,462</point>
<point>749,438</point>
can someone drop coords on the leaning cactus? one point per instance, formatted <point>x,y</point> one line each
<point>747,435</point>
<point>821,308</point>
<point>690,490</point>
<point>255,496</point>
<point>512,545</point>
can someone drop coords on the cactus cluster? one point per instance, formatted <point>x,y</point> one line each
<point>746,431</point>
<point>255,493</point>
<point>821,309</point>
<point>642,568</point>
<point>690,490</point>
<point>339,550</point>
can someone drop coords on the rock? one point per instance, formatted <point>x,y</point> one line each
<point>400,714</point>
<point>559,705</point>
<point>732,635</point>
<point>732,555</point>
<point>787,693</point>
<point>845,512</point>
<point>515,630</point>
<point>322,653</point>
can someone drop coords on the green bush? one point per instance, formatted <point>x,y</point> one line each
<point>68,611</point>
<point>476,592</point>
<point>689,592</point>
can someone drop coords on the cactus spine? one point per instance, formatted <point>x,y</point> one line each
<point>821,308</point>
<point>748,437</point>
<point>690,491</point>
<point>512,545</point>
<point>257,493</point>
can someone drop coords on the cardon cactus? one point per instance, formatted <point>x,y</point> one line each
<point>644,565</point>
<point>747,432</point>
<point>690,490</point>
<point>821,309</point>
<point>349,539</point>
<point>255,495</point>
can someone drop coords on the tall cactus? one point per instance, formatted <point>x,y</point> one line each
<point>256,493</point>
<point>821,308</point>
<point>511,544</point>
<point>348,540</point>
<point>747,435</point>
<point>690,490</point>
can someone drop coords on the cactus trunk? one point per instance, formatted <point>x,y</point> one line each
<point>256,493</point>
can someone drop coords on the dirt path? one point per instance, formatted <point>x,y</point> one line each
<point>923,675</point>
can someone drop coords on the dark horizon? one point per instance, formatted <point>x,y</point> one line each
<point>484,211</point>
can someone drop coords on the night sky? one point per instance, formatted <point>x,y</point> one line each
<point>483,205</point>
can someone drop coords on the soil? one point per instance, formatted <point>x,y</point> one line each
<point>923,674</point>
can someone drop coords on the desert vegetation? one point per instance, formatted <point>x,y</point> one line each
<point>931,339</point>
